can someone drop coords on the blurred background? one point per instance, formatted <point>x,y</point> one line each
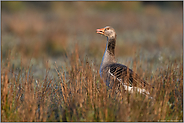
<point>42,33</point>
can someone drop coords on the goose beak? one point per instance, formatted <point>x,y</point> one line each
<point>100,31</point>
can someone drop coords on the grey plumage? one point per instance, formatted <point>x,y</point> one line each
<point>114,73</point>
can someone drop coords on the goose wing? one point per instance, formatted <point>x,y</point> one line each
<point>122,73</point>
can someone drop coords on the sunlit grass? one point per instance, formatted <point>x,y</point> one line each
<point>51,59</point>
<point>78,94</point>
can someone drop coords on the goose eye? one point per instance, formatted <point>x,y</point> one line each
<point>107,28</point>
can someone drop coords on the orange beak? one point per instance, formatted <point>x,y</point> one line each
<point>100,31</point>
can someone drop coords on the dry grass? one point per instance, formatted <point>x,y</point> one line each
<point>78,94</point>
<point>46,76</point>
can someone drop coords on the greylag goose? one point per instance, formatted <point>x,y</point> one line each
<point>114,73</point>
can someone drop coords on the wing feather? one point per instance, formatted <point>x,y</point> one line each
<point>123,73</point>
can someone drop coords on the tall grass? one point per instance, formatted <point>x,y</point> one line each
<point>35,89</point>
<point>78,94</point>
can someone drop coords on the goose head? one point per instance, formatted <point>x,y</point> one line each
<point>107,31</point>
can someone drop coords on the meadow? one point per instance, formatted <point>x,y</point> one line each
<point>51,55</point>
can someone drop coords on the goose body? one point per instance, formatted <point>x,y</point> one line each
<point>113,73</point>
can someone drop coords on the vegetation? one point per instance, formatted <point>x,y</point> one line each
<point>51,58</point>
